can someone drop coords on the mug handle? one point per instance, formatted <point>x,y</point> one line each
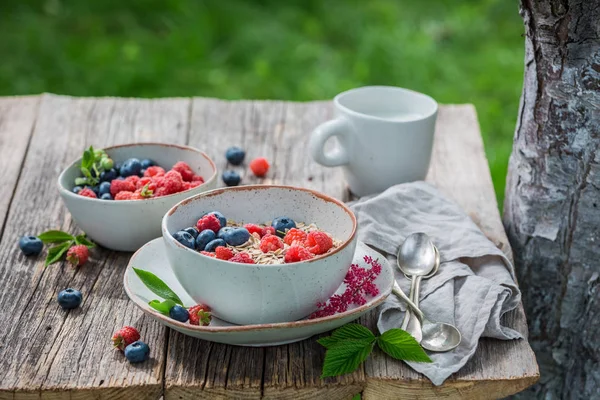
<point>316,145</point>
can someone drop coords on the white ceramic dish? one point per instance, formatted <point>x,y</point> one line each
<point>152,257</point>
<point>250,293</point>
<point>126,225</point>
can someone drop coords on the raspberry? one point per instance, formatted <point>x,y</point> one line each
<point>197,178</point>
<point>297,253</point>
<point>154,171</point>
<point>223,253</point>
<point>295,235</point>
<point>186,185</point>
<point>172,183</point>
<point>270,243</point>
<point>200,315</point>
<point>78,255</point>
<point>208,253</point>
<point>318,242</point>
<point>259,166</point>
<point>252,228</point>
<point>194,184</point>
<point>242,258</point>
<point>184,169</point>
<point>125,336</point>
<point>143,182</point>
<point>209,221</point>
<point>133,179</point>
<point>117,186</point>
<point>87,192</point>
<point>267,230</point>
<point>137,195</point>
<point>124,195</point>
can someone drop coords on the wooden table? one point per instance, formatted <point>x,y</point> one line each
<point>46,352</point>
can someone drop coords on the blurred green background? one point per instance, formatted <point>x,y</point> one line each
<point>457,51</point>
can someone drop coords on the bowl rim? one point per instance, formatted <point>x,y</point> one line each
<point>69,193</point>
<point>380,298</point>
<point>218,191</point>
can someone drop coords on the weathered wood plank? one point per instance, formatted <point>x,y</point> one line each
<point>45,351</point>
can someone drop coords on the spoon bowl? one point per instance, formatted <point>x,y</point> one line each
<point>439,336</point>
<point>416,256</point>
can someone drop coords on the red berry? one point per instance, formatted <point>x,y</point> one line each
<point>242,258</point>
<point>143,182</point>
<point>267,230</point>
<point>197,178</point>
<point>184,169</point>
<point>318,242</point>
<point>209,221</point>
<point>270,243</point>
<point>137,195</point>
<point>117,185</point>
<point>87,192</point>
<point>186,185</point>
<point>194,184</point>
<point>133,179</point>
<point>200,315</point>
<point>154,171</point>
<point>124,337</point>
<point>259,166</point>
<point>297,253</point>
<point>223,253</point>
<point>124,195</point>
<point>78,255</point>
<point>295,235</point>
<point>252,228</point>
<point>208,253</point>
<point>172,183</point>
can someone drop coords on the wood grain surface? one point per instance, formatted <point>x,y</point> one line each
<point>47,352</point>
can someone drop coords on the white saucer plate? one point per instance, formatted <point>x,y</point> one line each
<point>151,257</point>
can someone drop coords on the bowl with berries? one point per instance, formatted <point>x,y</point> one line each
<point>260,253</point>
<point>119,194</point>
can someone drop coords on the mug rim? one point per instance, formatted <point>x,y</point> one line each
<point>431,112</point>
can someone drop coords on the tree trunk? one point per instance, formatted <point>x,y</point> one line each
<point>552,206</point>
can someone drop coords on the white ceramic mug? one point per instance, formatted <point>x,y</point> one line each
<point>384,134</point>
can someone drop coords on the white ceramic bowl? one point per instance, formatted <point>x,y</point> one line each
<point>257,294</point>
<point>125,225</point>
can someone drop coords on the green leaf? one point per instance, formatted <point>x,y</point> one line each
<point>357,396</point>
<point>88,159</point>
<point>346,356</point>
<point>55,253</point>
<point>55,236</point>
<point>157,286</point>
<point>81,239</point>
<point>348,331</point>
<point>162,307</point>
<point>401,345</point>
<point>327,341</point>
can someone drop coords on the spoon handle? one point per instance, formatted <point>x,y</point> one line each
<point>398,292</point>
<point>406,319</point>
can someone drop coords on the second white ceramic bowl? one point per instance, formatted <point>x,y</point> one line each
<point>125,225</point>
<point>257,294</point>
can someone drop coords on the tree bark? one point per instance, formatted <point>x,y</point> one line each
<point>552,206</point>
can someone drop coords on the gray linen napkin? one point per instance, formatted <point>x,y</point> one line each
<point>475,284</point>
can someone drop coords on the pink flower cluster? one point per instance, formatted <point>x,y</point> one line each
<point>359,283</point>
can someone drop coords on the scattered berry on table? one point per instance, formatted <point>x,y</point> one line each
<point>220,216</point>
<point>137,352</point>
<point>87,192</point>
<point>253,228</point>
<point>117,186</point>
<point>200,314</point>
<point>104,188</point>
<point>192,231</point>
<point>297,253</point>
<point>235,155</point>
<point>267,230</point>
<point>31,245</point>
<point>125,336</point>
<point>231,178</point>
<point>185,239</point>
<point>223,253</point>
<point>295,236</point>
<point>146,163</point>
<point>318,242</point>
<point>270,243</point>
<point>179,313</point>
<point>69,298</point>
<point>132,166</point>
<point>154,171</point>
<point>77,189</point>
<point>78,255</point>
<point>106,196</point>
<point>209,221</point>
<point>282,225</point>
<point>235,236</point>
<point>203,238</point>
<point>259,166</point>
<point>213,244</point>
<point>242,258</point>
<point>187,174</point>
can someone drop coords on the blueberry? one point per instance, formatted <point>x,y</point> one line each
<point>282,224</point>
<point>231,178</point>
<point>108,175</point>
<point>179,313</point>
<point>131,167</point>
<point>204,238</point>
<point>235,155</point>
<point>184,238</point>
<point>104,188</point>
<point>117,168</point>
<point>69,298</point>
<point>95,189</point>
<point>213,244</point>
<point>137,352</point>
<point>223,231</point>
<point>192,231</point>
<point>31,245</point>
<point>147,163</point>
<point>235,236</point>
<point>106,196</point>
<point>221,217</point>
<point>77,189</point>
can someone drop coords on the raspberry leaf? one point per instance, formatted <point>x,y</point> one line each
<point>55,253</point>
<point>54,236</point>
<point>162,307</point>
<point>348,331</point>
<point>81,239</point>
<point>157,286</point>
<point>345,356</point>
<point>401,345</point>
